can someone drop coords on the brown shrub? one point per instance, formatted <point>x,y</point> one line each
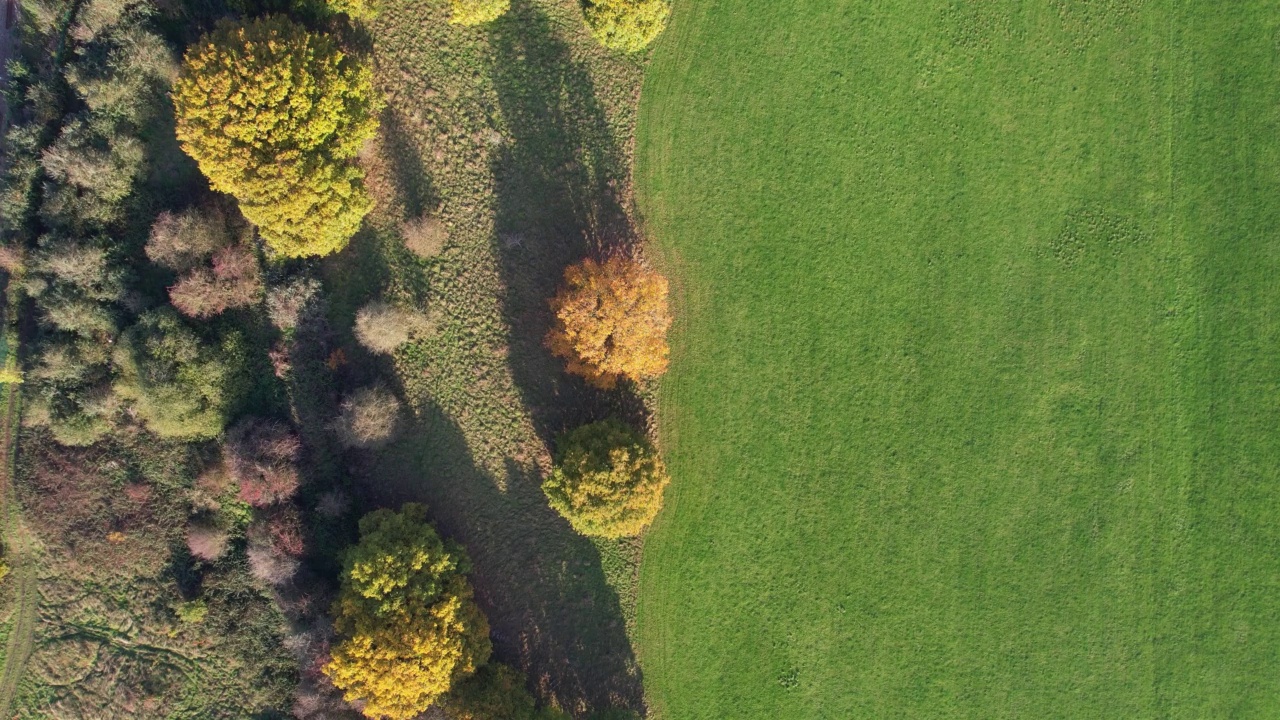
<point>382,328</point>
<point>281,529</point>
<point>262,458</point>
<point>333,504</point>
<point>11,257</point>
<point>292,303</point>
<point>232,282</point>
<point>425,236</point>
<point>367,418</point>
<point>183,241</point>
<point>206,541</point>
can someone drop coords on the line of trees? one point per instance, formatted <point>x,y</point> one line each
<point>273,112</point>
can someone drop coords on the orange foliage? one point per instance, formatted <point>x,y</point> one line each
<point>611,321</point>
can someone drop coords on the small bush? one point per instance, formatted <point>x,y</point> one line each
<point>281,529</point>
<point>261,457</point>
<point>183,241</point>
<point>271,566</point>
<point>192,612</point>
<point>627,25</point>
<point>206,540</point>
<point>611,321</point>
<point>382,328</point>
<point>293,303</point>
<point>368,418</point>
<point>425,236</point>
<point>232,282</point>
<point>608,480</point>
<point>477,12</point>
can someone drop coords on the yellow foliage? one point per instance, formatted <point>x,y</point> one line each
<point>273,113</point>
<point>627,25</point>
<point>611,321</point>
<point>608,480</point>
<point>409,626</point>
<point>477,12</point>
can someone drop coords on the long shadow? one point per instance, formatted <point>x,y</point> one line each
<point>541,584</point>
<point>413,186</point>
<point>558,201</point>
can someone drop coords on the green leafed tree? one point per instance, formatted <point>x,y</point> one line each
<point>273,114</point>
<point>179,386</point>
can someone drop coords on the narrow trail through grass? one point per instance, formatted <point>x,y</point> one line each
<point>21,591</point>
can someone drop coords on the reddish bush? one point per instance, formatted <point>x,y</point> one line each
<point>262,458</point>
<point>232,282</point>
<point>281,529</point>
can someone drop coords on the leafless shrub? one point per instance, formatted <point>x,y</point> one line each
<point>281,529</point>
<point>206,541</point>
<point>270,565</point>
<point>11,258</point>
<point>232,282</point>
<point>262,458</point>
<point>367,418</point>
<point>181,242</point>
<point>333,504</point>
<point>425,236</point>
<point>290,304</point>
<point>382,328</point>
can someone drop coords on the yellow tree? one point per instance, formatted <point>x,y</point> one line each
<point>273,114</point>
<point>409,627</point>
<point>627,25</point>
<point>608,480</point>
<point>611,321</point>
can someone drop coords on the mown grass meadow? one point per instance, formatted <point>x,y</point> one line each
<point>973,397</point>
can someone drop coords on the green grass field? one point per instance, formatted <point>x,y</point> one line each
<point>976,383</point>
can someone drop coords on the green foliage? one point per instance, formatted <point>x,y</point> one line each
<point>192,612</point>
<point>409,627</point>
<point>122,77</point>
<point>608,480</point>
<point>628,25</point>
<point>496,692</point>
<point>99,170</point>
<point>272,113</point>
<point>179,386</point>
<point>477,12</point>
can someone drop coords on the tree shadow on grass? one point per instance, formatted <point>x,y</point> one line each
<point>540,584</point>
<point>558,178</point>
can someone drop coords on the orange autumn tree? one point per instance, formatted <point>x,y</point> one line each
<point>611,321</point>
<point>408,626</point>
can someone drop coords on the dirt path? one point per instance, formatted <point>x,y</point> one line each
<point>21,559</point>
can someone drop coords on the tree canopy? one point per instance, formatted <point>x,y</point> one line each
<point>409,626</point>
<point>179,386</point>
<point>273,113</point>
<point>627,25</point>
<point>608,480</point>
<point>611,321</point>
